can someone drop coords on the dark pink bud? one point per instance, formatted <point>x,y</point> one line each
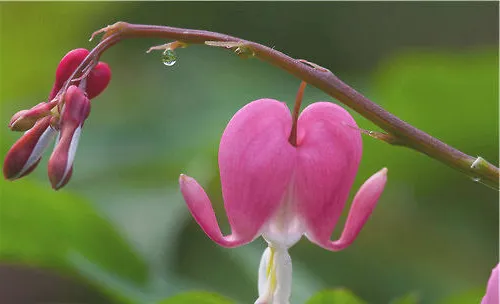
<point>26,119</point>
<point>75,110</point>
<point>66,67</point>
<point>25,154</point>
<point>98,79</point>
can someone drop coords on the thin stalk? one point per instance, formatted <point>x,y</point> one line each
<point>400,132</point>
<point>295,114</point>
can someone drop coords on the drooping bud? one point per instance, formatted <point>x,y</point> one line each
<point>25,154</point>
<point>66,67</point>
<point>97,80</point>
<point>75,110</point>
<point>26,119</point>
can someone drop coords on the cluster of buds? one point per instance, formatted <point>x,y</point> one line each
<point>62,116</point>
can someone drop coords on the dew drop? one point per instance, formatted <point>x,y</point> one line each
<point>169,57</point>
<point>476,179</point>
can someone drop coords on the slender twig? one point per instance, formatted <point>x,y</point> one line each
<point>399,132</point>
<point>295,114</point>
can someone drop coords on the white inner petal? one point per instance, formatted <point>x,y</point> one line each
<point>37,152</point>
<point>285,228</point>
<point>275,277</point>
<point>263,286</point>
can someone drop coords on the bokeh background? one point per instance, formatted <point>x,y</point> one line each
<point>120,232</point>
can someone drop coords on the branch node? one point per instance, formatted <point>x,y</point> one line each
<point>385,137</point>
<point>109,30</point>
<point>242,49</point>
<point>314,65</point>
<point>168,46</point>
<point>477,163</point>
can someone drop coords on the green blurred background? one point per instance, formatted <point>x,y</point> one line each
<point>120,232</point>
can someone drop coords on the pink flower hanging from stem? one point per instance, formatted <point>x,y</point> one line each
<point>283,177</point>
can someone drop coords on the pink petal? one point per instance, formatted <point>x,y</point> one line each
<point>492,294</point>
<point>256,163</point>
<point>66,67</point>
<point>76,108</point>
<point>60,165</point>
<point>26,153</point>
<point>202,211</point>
<point>98,79</point>
<point>361,209</point>
<point>329,151</point>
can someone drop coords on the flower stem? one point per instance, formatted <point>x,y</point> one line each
<point>402,133</point>
<point>295,115</point>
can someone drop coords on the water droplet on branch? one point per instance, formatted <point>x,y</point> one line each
<point>169,57</point>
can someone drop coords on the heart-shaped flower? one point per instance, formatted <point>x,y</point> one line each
<point>281,191</point>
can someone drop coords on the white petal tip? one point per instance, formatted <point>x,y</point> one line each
<point>183,178</point>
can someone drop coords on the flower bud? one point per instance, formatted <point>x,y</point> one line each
<point>97,80</point>
<point>26,119</point>
<point>75,110</point>
<point>66,67</point>
<point>25,154</point>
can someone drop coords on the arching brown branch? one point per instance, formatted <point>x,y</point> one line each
<point>400,132</point>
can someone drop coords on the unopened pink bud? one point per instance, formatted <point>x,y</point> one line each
<point>76,109</point>
<point>98,79</point>
<point>26,119</point>
<point>25,154</point>
<point>66,67</point>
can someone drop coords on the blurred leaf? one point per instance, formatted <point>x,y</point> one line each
<point>411,298</point>
<point>114,286</point>
<point>337,296</point>
<point>198,297</point>
<point>470,296</point>
<point>39,226</point>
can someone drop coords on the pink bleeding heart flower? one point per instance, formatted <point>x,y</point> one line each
<point>281,191</point>
<point>63,114</point>
<point>492,295</point>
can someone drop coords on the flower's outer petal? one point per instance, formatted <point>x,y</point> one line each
<point>362,207</point>
<point>329,151</point>
<point>98,79</point>
<point>256,163</point>
<point>66,67</point>
<point>26,153</point>
<point>76,109</point>
<point>202,211</point>
<point>492,295</point>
